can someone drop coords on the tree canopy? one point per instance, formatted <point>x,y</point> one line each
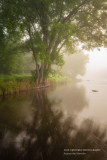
<point>53,27</point>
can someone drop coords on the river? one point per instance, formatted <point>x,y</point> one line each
<point>63,122</point>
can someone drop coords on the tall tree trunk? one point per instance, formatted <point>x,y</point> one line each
<point>34,55</point>
<point>37,67</point>
<point>42,73</point>
<point>37,73</point>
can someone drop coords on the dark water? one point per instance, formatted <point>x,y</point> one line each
<point>67,122</point>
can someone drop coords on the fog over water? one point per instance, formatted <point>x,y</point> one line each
<point>96,68</point>
<point>89,65</point>
<point>75,65</point>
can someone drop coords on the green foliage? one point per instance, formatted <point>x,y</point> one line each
<point>11,63</point>
<point>58,59</point>
<point>58,78</point>
<point>12,58</point>
<point>51,27</point>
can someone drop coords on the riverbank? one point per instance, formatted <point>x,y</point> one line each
<point>13,84</point>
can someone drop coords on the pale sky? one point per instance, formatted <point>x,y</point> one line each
<point>97,66</point>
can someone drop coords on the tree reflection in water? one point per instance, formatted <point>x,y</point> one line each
<point>45,135</point>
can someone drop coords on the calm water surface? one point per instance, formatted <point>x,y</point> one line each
<point>66,122</point>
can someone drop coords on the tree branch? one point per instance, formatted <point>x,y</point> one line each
<point>55,45</point>
<point>32,46</point>
<point>74,11</point>
<point>92,15</point>
<point>61,45</point>
<point>44,23</point>
<point>61,10</point>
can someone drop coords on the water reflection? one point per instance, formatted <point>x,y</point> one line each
<point>72,98</point>
<point>32,128</point>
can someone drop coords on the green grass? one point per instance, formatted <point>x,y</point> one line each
<point>10,84</point>
<point>58,78</point>
<point>16,77</point>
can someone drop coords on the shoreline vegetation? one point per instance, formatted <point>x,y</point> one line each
<point>14,84</point>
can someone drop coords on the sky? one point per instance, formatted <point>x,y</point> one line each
<point>96,68</point>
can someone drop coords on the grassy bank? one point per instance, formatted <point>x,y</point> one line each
<point>58,78</point>
<point>12,84</point>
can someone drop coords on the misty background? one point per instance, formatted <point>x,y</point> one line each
<point>89,65</point>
